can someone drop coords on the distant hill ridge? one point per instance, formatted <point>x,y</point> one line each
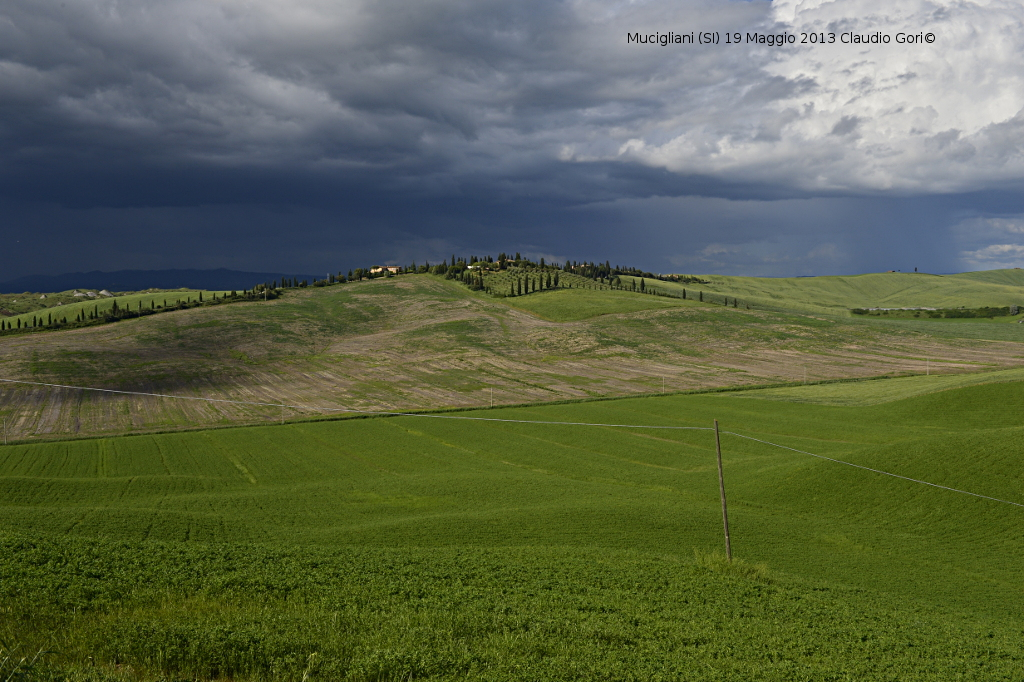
<point>137,280</point>
<point>834,293</point>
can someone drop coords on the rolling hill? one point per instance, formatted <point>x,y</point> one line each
<point>841,293</point>
<point>422,342</point>
<point>542,538</point>
<point>444,548</point>
<point>137,280</point>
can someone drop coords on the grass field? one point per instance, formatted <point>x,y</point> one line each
<point>422,342</point>
<point>446,549</point>
<point>103,305</point>
<point>501,282</point>
<point>839,294</point>
<point>582,304</point>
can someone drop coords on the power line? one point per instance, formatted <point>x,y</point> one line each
<point>511,421</point>
<point>877,471</point>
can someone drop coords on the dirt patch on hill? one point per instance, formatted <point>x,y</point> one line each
<point>425,343</point>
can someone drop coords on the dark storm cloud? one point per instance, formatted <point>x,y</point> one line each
<point>421,88</point>
<point>391,130</point>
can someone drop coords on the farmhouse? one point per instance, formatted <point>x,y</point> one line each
<point>381,268</point>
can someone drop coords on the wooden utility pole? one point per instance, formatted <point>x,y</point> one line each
<point>721,489</point>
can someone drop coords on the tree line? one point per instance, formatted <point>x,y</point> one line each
<point>53,318</point>
<point>525,276</point>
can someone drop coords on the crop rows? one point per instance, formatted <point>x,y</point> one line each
<point>367,549</point>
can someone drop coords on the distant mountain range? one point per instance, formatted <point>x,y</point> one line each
<point>136,280</point>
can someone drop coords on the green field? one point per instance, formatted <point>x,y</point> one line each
<point>103,305</point>
<point>426,548</point>
<point>875,290</point>
<point>501,282</point>
<point>570,305</point>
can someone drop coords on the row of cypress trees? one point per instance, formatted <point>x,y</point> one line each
<point>118,312</point>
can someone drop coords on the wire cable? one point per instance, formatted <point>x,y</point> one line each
<point>513,421</point>
<point>877,471</point>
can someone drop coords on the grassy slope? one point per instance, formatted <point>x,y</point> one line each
<point>102,305</point>
<point>874,393</point>
<point>840,293</point>
<point>940,568</point>
<point>422,342</point>
<point>582,304</point>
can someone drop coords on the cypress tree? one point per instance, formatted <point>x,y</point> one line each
<point>684,294</point>
<point>702,297</point>
<point>643,287</point>
<point>49,319</point>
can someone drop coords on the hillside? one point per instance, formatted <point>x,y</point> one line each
<point>136,280</point>
<point>841,293</point>
<point>422,342</point>
<point>443,549</point>
<point>68,307</point>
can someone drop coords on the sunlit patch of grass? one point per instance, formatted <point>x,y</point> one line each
<point>718,562</point>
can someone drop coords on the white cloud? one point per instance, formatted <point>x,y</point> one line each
<point>930,118</point>
<point>990,242</point>
<point>491,87</point>
<point>995,256</point>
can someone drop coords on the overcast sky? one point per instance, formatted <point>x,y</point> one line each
<point>318,135</point>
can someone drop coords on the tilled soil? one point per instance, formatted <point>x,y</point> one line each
<point>424,343</point>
